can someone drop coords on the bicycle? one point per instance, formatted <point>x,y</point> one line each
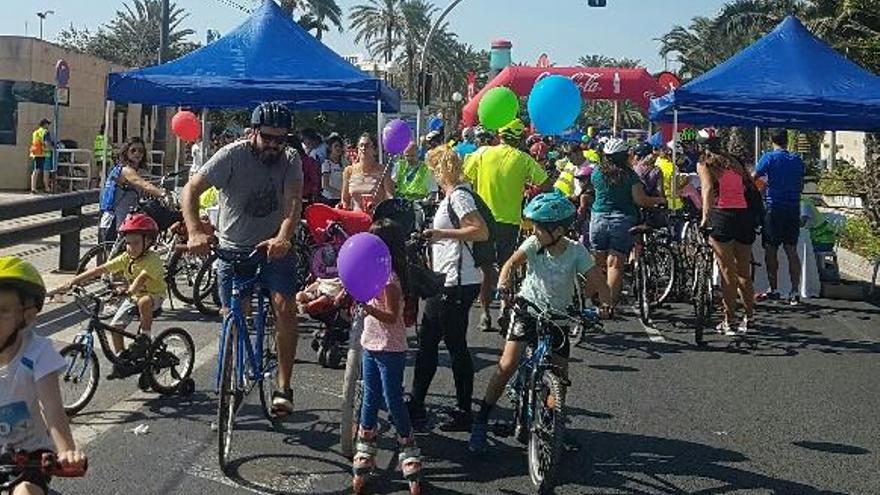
<point>248,355</point>
<point>702,286</point>
<point>537,392</point>
<point>588,316</point>
<point>653,270</point>
<point>160,369</point>
<point>352,386</point>
<point>16,464</point>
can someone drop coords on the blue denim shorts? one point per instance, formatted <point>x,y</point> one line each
<point>277,276</point>
<point>610,232</point>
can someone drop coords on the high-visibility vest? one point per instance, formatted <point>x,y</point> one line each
<point>565,182</point>
<point>37,138</point>
<point>411,184</point>
<point>100,147</point>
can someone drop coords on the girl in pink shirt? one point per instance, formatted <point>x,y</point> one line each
<point>384,360</point>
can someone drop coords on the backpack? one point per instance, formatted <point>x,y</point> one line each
<point>483,252</point>
<point>107,199</point>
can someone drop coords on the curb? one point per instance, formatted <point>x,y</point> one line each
<point>853,265</point>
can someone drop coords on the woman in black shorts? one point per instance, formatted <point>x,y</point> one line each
<point>725,211</point>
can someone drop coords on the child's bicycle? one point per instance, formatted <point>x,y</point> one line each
<point>248,355</point>
<point>538,391</point>
<point>15,465</point>
<point>165,366</point>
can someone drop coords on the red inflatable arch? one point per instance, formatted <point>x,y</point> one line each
<point>596,83</point>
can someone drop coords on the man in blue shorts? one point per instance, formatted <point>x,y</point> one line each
<point>784,172</point>
<point>259,183</point>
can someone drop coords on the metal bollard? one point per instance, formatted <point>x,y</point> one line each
<point>68,256</point>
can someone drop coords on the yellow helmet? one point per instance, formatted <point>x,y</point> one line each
<point>513,130</point>
<point>23,277</point>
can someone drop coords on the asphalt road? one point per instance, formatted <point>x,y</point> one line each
<point>651,412</point>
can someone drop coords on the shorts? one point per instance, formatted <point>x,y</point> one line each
<point>43,163</point>
<point>523,328</point>
<point>277,276</point>
<point>610,232</point>
<point>733,224</point>
<point>506,236</point>
<point>34,476</point>
<point>782,225</point>
<point>128,310</point>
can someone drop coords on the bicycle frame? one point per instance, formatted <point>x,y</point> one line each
<point>529,367</point>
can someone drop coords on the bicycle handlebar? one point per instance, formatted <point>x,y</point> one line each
<point>19,461</point>
<point>258,255</point>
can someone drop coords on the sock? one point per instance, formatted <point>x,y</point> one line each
<point>483,412</point>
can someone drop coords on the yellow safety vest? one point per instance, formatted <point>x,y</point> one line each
<point>37,146</point>
<point>565,182</point>
<point>100,147</point>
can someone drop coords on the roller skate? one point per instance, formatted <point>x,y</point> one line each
<point>411,464</point>
<point>364,459</point>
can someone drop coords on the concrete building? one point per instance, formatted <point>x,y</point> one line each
<point>27,85</point>
<point>850,147</point>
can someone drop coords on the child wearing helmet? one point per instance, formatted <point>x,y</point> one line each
<point>144,273</point>
<point>552,262</point>
<point>31,410</point>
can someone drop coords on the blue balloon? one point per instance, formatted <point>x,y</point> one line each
<point>435,124</point>
<point>554,105</point>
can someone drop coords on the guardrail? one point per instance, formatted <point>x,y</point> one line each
<point>70,224</point>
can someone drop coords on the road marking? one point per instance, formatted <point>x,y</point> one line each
<point>66,315</point>
<point>654,335</point>
<point>287,483</point>
<point>85,434</point>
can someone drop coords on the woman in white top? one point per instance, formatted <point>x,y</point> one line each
<point>446,315</point>
<point>366,183</point>
<point>331,171</point>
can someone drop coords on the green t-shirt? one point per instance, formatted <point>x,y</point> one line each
<point>499,175</point>
<point>549,281</point>
<point>614,198</point>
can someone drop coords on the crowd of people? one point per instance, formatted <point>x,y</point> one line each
<point>505,203</point>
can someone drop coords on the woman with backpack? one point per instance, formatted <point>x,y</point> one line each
<point>457,225</point>
<point>124,186</point>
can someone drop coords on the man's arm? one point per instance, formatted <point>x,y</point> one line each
<point>189,201</point>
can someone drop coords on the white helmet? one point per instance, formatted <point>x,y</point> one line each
<point>468,134</point>
<point>614,146</point>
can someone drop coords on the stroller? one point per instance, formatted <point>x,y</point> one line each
<point>324,299</point>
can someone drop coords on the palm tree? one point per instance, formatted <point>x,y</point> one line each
<point>316,14</point>
<point>378,24</point>
<point>594,60</point>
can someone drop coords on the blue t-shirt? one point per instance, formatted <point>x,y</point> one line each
<point>785,176</point>
<point>465,148</point>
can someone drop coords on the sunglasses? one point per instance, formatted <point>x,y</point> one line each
<point>137,150</point>
<point>273,139</point>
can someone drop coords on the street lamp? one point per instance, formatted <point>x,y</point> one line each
<point>456,107</point>
<point>42,15</point>
<point>423,77</point>
<point>457,97</point>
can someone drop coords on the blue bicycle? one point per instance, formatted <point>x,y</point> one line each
<point>248,356</point>
<point>538,390</point>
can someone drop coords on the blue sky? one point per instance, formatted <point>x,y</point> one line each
<point>565,29</point>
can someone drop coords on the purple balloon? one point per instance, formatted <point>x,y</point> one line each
<point>396,136</point>
<point>364,266</point>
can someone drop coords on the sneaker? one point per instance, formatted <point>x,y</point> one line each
<point>479,440</point>
<point>458,421</point>
<point>486,322</point>
<point>743,327</point>
<point>794,299</point>
<point>417,417</point>
<point>770,295</point>
<point>282,402</point>
<point>723,328</point>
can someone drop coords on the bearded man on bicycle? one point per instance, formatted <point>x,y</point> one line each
<point>260,185</point>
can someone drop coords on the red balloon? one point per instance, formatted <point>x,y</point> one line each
<point>186,126</point>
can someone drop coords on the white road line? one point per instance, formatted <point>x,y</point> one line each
<point>85,434</point>
<point>654,335</point>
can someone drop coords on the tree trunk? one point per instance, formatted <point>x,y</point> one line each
<point>872,178</point>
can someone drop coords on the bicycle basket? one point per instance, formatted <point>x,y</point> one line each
<point>164,216</point>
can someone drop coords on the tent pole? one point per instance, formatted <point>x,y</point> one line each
<point>833,155</point>
<point>379,128</point>
<point>107,141</point>
<point>616,117</point>
<point>176,151</point>
<point>674,192</point>
<point>757,145</point>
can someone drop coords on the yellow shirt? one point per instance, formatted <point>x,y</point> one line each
<point>499,174</point>
<point>592,156</point>
<point>150,263</point>
<point>667,169</point>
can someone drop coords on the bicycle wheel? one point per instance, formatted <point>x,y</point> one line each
<point>269,382</point>
<point>661,273</point>
<point>95,257</point>
<point>579,305</point>
<point>701,309</point>
<point>352,398</point>
<point>206,295</point>
<point>547,429</point>
<point>642,290</point>
<point>180,275</point>
<point>173,360</point>
<point>80,378</point>
<point>230,396</point>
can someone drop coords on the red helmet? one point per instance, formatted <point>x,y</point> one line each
<point>139,223</point>
<point>538,150</point>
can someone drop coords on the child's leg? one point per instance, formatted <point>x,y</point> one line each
<point>505,369</point>
<point>372,390</point>
<point>391,366</point>
<point>145,309</point>
<point>121,320</point>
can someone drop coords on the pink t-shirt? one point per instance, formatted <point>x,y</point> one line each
<point>378,336</point>
<point>731,191</point>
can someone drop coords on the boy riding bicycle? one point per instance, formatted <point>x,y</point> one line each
<point>551,261</point>
<point>144,272</point>
<point>31,413</point>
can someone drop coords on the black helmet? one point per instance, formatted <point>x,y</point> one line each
<point>272,114</point>
<point>643,149</point>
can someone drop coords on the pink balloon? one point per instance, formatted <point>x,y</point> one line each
<point>186,126</point>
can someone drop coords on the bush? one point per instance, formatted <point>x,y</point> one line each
<point>860,236</point>
<point>842,179</point>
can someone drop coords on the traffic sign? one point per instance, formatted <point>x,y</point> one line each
<point>62,73</point>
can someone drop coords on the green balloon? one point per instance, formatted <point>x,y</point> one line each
<point>498,107</point>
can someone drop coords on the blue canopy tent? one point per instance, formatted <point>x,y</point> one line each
<point>268,57</point>
<point>788,78</point>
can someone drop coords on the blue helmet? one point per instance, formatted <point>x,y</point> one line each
<point>272,114</point>
<point>550,210</point>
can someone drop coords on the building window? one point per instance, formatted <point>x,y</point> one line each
<point>11,94</point>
